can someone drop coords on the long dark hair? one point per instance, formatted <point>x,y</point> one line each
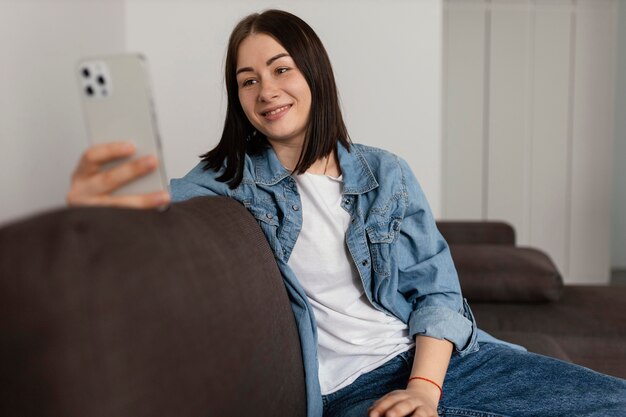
<point>326,125</point>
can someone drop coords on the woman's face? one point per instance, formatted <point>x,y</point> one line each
<point>273,92</point>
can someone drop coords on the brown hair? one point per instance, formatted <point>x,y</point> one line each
<point>326,125</point>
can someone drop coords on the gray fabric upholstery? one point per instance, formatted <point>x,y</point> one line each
<point>477,232</point>
<point>503,273</point>
<point>517,294</point>
<point>534,342</point>
<point>588,323</point>
<point>110,312</point>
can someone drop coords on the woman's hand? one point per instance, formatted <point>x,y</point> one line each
<point>91,185</point>
<point>417,400</point>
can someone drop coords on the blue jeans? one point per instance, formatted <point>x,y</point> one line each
<point>495,381</point>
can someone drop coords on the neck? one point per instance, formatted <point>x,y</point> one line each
<point>289,154</point>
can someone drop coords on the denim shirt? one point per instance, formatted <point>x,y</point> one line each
<point>402,259</point>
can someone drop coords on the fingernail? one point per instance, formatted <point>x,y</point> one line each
<point>149,161</point>
<point>127,147</point>
<point>163,197</point>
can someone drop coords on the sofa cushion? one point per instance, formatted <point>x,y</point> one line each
<point>589,310</point>
<point>540,343</point>
<point>603,354</point>
<point>504,273</point>
<point>588,323</point>
<point>112,312</point>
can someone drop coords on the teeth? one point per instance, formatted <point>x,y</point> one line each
<point>273,112</point>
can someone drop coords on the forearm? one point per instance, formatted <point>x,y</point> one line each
<point>432,357</point>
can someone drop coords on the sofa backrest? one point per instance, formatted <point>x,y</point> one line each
<point>477,232</point>
<point>115,312</point>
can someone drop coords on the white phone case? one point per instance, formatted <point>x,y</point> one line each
<point>118,106</point>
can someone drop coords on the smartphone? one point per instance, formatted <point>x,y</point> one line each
<point>118,106</point>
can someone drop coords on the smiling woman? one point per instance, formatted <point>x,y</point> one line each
<point>374,292</point>
<point>294,70</point>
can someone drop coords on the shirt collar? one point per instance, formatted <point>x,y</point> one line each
<point>267,168</point>
<point>357,174</point>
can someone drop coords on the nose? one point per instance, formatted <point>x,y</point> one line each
<point>269,91</point>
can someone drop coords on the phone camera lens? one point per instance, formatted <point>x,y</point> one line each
<point>101,80</point>
<point>86,73</point>
<point>89,90</point>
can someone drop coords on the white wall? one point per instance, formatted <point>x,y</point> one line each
<point>41,130</point>
<point>618,244</point>
<point>386,57</point>
<point>529,103</point>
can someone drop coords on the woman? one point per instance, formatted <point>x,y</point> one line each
<point>376,298</point>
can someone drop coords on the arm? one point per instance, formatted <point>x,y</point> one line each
<point>427,277</point>
<point>432,357</point>
<point>440,320</point>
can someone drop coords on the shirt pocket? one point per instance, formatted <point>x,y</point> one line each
<point>381,237</point>
<point>382,226</point>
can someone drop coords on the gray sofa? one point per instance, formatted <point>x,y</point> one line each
<point>109,312</point>
<point>119,312</point>
<point>517,294</point>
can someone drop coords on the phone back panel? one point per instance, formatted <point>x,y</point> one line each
<point>118,105</point>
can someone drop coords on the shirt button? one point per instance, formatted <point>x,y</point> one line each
<point>396,227</point>
<point>295,207</point>
<point>269,216</point>
<point>364,262</point>
<point>347,201</point>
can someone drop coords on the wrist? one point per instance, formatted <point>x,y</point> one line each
<point>425,386</point>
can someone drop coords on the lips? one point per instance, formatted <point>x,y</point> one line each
<point>275,113</point>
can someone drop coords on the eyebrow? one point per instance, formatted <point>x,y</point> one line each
<point>268,63</point>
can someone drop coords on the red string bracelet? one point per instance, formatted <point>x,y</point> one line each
<point>428,380</point>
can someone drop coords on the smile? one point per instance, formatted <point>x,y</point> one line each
<point>277,112</point>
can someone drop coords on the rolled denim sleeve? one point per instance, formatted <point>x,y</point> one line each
<point>427,277</point>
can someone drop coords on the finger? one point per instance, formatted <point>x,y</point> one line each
<point>404,408</point>
<point>386,410</point>
<point>92,190</point>
<point>421,412</point>
<point>112,179</point>
<point>389,395</point>
<point>143,201</point>
<point>93,158</point>
<point>382,406</point>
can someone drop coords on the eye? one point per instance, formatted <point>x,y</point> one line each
<point>248,82</point>
<point>281,70</point>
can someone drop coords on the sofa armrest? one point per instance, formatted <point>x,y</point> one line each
<point>127,313</point>
<point>477,232</point>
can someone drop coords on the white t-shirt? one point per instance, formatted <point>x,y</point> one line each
<point>353,336</point>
